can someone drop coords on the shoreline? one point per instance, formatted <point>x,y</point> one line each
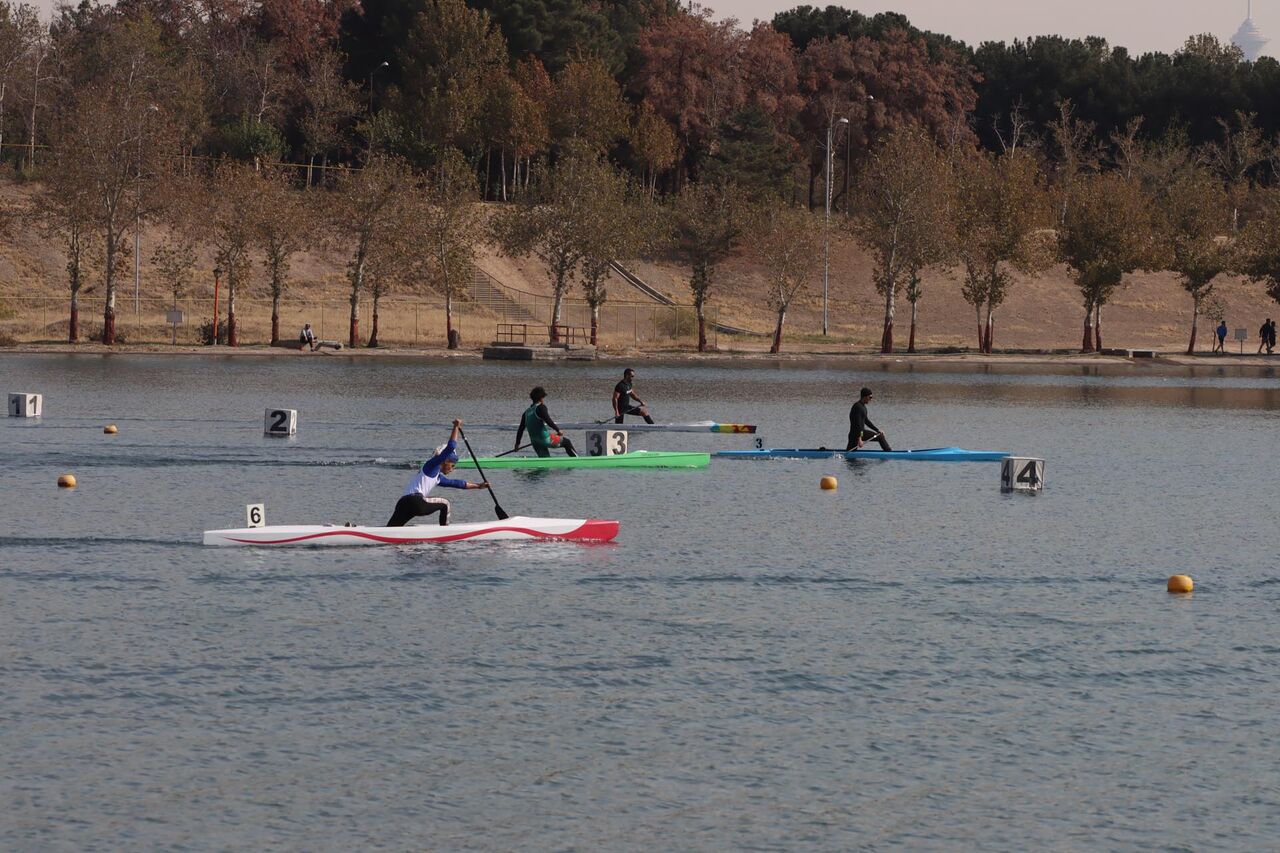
<point>1031,361</point>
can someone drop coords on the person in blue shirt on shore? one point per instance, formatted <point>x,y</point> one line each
<point>1221,345</point>
<point>415,502</point>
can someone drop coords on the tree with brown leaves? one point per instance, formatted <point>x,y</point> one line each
<point>786,241</point>
<point>1001,215</point>
<point>707,222</point>
<point>366,214</point>
<point>232,199</point>
<point>1108,233</point>
<point>902,217</point>
<point>282,220</point>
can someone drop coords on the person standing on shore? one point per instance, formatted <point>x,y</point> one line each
<point>1271,336</point>
<point>544,433</point>
<point>1220,337</point>
<point>623,394</point>
<point>861,429</point>
<point>414,502</point>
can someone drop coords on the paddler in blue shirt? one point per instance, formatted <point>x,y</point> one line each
<point>544,434</point>
<point>415,502</point>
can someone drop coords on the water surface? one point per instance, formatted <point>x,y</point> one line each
<point>914,661</point>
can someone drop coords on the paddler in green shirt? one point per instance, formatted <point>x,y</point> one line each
<point>544,434</point>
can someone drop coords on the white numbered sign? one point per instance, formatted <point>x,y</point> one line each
<point>25,405</point>
<point>1021,474</point>
<point>606,442</point>
<point>255,515</point>
<point>280,422</point>
<point>758,443</point>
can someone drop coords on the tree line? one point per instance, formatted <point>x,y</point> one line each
<point>616,128</point>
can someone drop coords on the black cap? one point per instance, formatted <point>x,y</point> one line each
<point>865,392</point>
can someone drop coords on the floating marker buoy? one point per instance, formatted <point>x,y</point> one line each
<point>828,484</point>
<point>67,481</point>
<point>1181,583</point>
<point>110,429</point>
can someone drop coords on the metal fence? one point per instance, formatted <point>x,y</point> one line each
<point>403,321</point>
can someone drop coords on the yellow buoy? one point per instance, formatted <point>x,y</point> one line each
<point>828,483</point>
<point>67,481</point>
<point>110,429</point>
<point>1181,583</point>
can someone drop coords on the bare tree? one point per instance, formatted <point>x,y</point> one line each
<point>1236,156</point>
<point>1077,151</point>
<point>549,225</point>
<point>328,102</point>
<point>19,30</point>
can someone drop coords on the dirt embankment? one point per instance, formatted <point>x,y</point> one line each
<point>1151,311</point>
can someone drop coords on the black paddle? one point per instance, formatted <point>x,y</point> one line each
<point>509,452</point>
<point>497,508</point>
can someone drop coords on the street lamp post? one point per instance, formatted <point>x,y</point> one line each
<point>383,65</point>
<point>217,273</point>
<point>137,218</point>
<point>826,228</point>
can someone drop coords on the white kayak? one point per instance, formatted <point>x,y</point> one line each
<point>514,528</point>
<point>630,426</point>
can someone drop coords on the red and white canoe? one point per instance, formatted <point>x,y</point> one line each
<point>514,528</point>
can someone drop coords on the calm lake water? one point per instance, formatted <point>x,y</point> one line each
<point>914,661</point>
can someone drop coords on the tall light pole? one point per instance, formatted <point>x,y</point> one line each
<point>826,227</point>
<point>137,217</point>
<point>217,274</point>
<point>381,66</point>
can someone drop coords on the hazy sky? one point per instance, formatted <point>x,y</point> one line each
<point>1140,25</point>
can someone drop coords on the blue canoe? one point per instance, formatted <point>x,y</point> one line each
<point>932,454</point>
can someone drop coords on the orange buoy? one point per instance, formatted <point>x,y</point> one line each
<point>110,429</point>
<point>67,481</point>
<point>828,484</point>
<point>1181,584</point>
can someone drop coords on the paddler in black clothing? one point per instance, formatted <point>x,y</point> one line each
<point>623,394</point>
<point>860,426</point>
<point>544,434</point>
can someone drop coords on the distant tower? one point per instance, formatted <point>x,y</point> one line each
<point>1248,38</point>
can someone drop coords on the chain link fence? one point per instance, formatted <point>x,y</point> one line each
<point>402,321</point>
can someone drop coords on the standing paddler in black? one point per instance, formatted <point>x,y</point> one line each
<point>861,428</point>
<point>623,394</point>
<point>544,433</point>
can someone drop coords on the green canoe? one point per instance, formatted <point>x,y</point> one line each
<point>634,459</point>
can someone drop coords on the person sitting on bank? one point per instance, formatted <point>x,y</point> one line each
<point>544,434</point>
<point>861,429</point>
<point>623,394</point>
<point>307,337</point>
<point>415,501</point>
